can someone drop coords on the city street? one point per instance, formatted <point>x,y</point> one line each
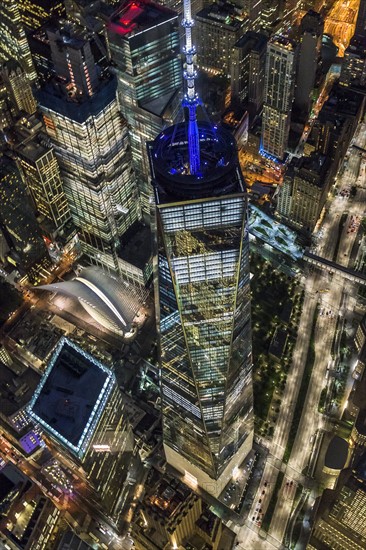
<point>329,292</point>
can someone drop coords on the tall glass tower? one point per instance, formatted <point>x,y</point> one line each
<point>202,295</point>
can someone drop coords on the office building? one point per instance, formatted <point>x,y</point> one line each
<point>41,174</point>
<point>340,521</point>
<point>268,15</point>
<point>336,124</point>
<point>30,520</point>
<point>70,541</point>
<point>79,405</point>
<point>360,29</point>
<point>202,295</point>
<point>90,139</point>
<point>304,192</point>
<point>278,96</point>
<point>19,225</point>
<point>218,27</point>
<point>18,383</point>
<point>360,335</point>
<point>248,69</point>
<point>5,356</point>
<point>6,116</point>
<point>13,41</point>
<point>18,88</point>
<point>312,26</point>
<point>356,405</point>
<point>35,13</point>
<point>353,71</point>
<point>171,516</point>
<point>144,43</point>
<point>253,9</point>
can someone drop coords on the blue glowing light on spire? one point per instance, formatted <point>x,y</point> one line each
<point>191,100</point>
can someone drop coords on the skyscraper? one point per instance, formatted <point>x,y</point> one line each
<point>202,294</point>
<point>18,87</point>
<point>278,96</point>
<point>41,173</point>
<point>312,26</point>
<point>90,137</point>
<point>304,192</point>
<point>248,69</point>
<point>360,29</point>
<point>13,41</point>
<point>35,13</point>
<point>219,27</point>
<point>144,43</point>
<point>19,225</point>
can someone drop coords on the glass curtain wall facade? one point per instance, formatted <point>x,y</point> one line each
<point>13,41</point>
<point>42,176</point>
<point>203,316</point>
<point>278,96</point>
<point>144,43</point>
<point>19,225</point>
<point>92,146</point>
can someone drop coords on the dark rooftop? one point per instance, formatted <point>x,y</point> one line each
<point>70,541</point>
<point>75,105</point>
<point>337,452</point>
<point>223,13</point>
<point>6,486</point>
<point>135,247</point>
<point>360,423</point>
<point>16,390</point>
<point>342,103</point>
<point>68,401</point>
<point>254,41</point>
<point>360,469</point>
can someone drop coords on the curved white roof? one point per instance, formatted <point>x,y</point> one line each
<point>111,303</point>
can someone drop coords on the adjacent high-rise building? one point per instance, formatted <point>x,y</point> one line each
<point>82,117</point>
<point>312,26</point>
<point>268,15</point>
<point>41,173</point>
<point>304,192</point>
<point>170,515</point>
<point>35,13</point>
<point>248,69</point>
<point>340,521</point>
<point>353,71</point>
<point>336,124</point>
<point>360,29</point>
<point>13,41</point>
<point>278,96</point>
<point>19,225</point>
<point>144,43</point>
<point>218,27</point>
<point>29,519</point>
<point>18,88</point>
<point>202,294</point>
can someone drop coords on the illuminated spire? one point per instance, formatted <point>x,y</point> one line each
<point>191,100</point>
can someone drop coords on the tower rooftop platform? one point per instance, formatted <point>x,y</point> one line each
<point>218,170</point>
<point>137,16</point>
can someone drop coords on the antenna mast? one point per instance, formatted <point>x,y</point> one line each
<point>191,100</point>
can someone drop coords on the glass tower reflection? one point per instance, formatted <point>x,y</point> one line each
<point>203,304</point>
